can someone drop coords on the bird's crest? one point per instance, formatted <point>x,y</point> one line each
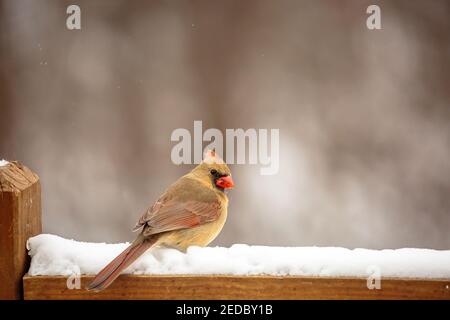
<point>211,156</point>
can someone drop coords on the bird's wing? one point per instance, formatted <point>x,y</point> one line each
<point>174,215</point>
<point>149,213</point>
<point>172,212</point>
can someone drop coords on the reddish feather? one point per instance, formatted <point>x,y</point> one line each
<point>175,216</point>
<point>109,273</point>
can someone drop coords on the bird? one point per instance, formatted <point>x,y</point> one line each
<point>191,212</point>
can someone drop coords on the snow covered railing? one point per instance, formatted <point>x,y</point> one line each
<point>61,268</point>
<point>241,271</point>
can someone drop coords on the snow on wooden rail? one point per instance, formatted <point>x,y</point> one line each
<point>241,271</point>
<point>61,268</point>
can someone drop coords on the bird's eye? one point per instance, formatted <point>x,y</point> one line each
<point>213,172</point>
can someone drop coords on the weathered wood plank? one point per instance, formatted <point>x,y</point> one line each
<point>236,287</point>
<point>20,218</point>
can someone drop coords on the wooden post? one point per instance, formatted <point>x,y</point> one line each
<point>20,218</point>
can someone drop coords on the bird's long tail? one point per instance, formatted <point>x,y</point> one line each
<point>109,273</point>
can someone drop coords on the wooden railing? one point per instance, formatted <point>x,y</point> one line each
<point>20,218</point>
<point>236,287</point>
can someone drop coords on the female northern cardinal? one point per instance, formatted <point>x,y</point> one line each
<point>192,211</point>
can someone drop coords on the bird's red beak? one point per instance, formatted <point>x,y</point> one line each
<point>225,182</point>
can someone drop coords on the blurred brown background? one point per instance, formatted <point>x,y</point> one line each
<point>363,115</point>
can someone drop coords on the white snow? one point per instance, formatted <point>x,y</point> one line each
<point>3,163</point>
<point>53,255</point>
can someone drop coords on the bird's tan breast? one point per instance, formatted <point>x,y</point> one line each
<point>198,236</point>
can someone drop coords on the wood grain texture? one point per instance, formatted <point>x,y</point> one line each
<point>236,287</point>
<point>20,218</point>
